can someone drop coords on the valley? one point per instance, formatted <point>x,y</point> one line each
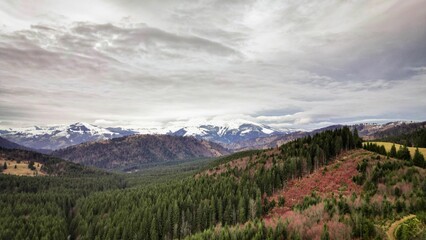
<point>319,185</point>
<point>212,120</point>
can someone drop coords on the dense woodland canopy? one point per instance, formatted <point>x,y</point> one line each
<point>416,138</point>
<point>51,165</point>
<point>106,206</point>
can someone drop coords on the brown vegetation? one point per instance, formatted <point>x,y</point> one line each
<point>140,149</point>
<point>334,179</point>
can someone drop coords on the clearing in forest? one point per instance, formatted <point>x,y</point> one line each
<point>388,146</point>
<point>21,168</point>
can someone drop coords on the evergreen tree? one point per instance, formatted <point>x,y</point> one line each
<point>419,159</point>
<point>393,151</point>
<point>325,235</point>
<point>241,210</point>
<point>281,201</point>
<point>4,166</point>
<point>403,153</point>
<point>357,139</point>
<point>31,165</point>
<point>153,231</point>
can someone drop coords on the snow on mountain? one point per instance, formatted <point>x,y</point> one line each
<point>228,132</point>
<point>61,136</point>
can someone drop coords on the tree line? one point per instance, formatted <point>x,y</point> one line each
<point>403,153</point>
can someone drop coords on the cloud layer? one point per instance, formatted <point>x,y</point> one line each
<point>149,63</point>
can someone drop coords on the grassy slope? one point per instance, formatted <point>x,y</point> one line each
<point>21,168</point>
<point>388,146</point>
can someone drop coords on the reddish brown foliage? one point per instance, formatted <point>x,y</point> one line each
<point>336,179</point>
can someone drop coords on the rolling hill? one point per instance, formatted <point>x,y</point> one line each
<point>132,151</point>
<point>43,164</point>
<point>4,143</point>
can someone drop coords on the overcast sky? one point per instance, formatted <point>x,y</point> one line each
<point>287,64</point>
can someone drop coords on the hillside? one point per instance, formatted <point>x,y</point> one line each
<point>234,193</point>
<point>21,168</point>
<point>416,138</point>
<point>368,131</point>
<point>43,164</point>
<point>358,195</point>
<point>388,130</point>
<point>132,151</point>
<point>4,143</point>
<point>317,187</point>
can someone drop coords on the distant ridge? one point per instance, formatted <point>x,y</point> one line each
<point>368,131</point>
<point>4,143</point>
<point>140,149</point>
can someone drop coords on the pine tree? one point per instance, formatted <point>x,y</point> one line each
<point>325,235</point>
<point>4,166</point>
<point>252,209</point>
<point>393,151</point>
<point>281,201</point>
<point>382,150</point>
<point>357,139</point>
<point>403,153</point>
<point>153,231</point>
<point>241,210</point>
<point>419,159</point>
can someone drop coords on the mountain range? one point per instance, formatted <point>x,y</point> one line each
<point>62,136</point>
<point>235,135</point>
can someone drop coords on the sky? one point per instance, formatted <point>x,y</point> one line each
<point>283,63</point>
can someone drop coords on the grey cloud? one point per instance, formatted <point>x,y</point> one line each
<point>150,37</point>
<point>284,63</point>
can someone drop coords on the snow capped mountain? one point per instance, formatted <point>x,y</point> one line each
<point>55,137</point>
<point>227,133</point>
<point>234,134</point>
<point>61,136</point>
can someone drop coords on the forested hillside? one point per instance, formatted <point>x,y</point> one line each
<point>133,151</point>
<point>248,195</point>
<point>179,209</point>
<point>51,165</point>
<point>414,139</point>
